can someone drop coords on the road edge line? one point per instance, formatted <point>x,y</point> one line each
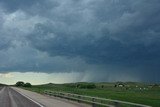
<point>29,98</point>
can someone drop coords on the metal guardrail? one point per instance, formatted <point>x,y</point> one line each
<point>95,101</point>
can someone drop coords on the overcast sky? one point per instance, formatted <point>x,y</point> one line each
<point>92,40</point>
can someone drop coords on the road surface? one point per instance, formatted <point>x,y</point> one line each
<point>16,97</point>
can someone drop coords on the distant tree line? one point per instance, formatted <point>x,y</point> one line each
<point>22,84</point>
<point>82,85</point>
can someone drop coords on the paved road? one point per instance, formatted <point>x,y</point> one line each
<point>16,97</point>
<point>11,98</point>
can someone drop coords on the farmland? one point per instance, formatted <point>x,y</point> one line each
<point>148,94</point>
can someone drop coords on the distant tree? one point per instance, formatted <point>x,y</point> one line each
<point>91,86</point>
<point>27,85</point>
<point>71,85</point>
<point>155,85</point>
<point>86,85</point>
<point>102,86</point>
<point>20,84</point>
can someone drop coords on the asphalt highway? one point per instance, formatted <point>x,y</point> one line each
<point>17,97</point>
<point>11,98</point>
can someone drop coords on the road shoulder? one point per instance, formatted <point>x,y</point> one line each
<point>48,101</point>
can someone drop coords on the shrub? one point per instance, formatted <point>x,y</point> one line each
<point>20,84</point>
<point>27,85</point>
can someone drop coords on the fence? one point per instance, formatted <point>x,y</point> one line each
<point>95,101</point>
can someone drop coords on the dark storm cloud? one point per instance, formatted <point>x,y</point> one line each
<point>27,5</point>
<point>122,32</point>
<point>113,33</point>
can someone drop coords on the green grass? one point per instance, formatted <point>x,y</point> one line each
<point>148,96</point>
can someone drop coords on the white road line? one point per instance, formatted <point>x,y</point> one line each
<point>30,99</point>
<point>2,89</point>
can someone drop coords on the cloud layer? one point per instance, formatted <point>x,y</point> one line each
<point>111,38</point>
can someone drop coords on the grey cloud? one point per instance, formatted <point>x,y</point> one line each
<point>19,4</point>
<point>112,33</point>
<point>23,58</point>
<point>122,35</point>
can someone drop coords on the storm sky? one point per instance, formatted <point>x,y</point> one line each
<point>92,40</point>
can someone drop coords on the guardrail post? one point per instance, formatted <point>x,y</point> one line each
<point>68,95</point>
<point>93,104</point>
<point>55,94</point>
<point>79,99</point>
<point>50,93</point>
<point>117,104</point>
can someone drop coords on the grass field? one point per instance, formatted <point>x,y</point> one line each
<point>132,92</point>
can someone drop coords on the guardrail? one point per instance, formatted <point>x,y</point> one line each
<point>95,101</point>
